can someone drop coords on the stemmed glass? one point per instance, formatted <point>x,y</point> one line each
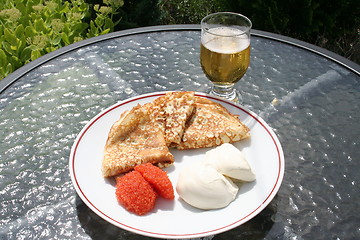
<point>225,52</point>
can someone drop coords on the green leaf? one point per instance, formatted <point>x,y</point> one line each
<point>79,28</point>
<point>64,8</point>
<point>3,59</point>
<point>65,38</point>
<point>105,31</point>
<point>50,49</point>
<point>7,48</point>
<point>9,37</point>
<point>93,30</point>
<point>55,41</point>
<point>25,54</point>
<point>39,25</point>
<point>21,45</point>
<point>35,54</point>
<point>19,31</point>
<point>9,69</point>
<point>30,31</point>
<point>66,29</point>
<point>15,62</point>
<point>21,7</point>
<point>109,24</point>
<point>99,21</point>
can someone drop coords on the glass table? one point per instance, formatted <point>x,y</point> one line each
<point>309,96</point>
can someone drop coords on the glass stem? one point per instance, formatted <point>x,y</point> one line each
<point>226,91</point>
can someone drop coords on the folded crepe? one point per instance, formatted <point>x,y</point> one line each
<point>210,125</point>
<point>177,119</point>
<point>134,139</point>
<point>171,112</point>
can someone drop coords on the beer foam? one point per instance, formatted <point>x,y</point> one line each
<point>225,40</point>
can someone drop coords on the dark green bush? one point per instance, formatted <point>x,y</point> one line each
<point>332,24</point>
<point>188,11</point>
<point>31,28</point>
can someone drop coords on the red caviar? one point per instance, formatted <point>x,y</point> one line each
<point>158,179</point>
<point>134,193</point>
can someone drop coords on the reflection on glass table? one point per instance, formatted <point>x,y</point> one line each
<point>308,96</point>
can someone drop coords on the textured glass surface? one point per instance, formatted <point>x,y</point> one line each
<point>311,103</point>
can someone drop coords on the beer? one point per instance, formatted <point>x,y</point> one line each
<point>225,55</point>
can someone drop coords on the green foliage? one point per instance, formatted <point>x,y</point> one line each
<point>138,13</point>
<point>303,18</point>
<point>188,11</point>
<point>332,24</point>
<point>32,28</point>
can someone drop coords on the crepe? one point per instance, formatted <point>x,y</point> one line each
<point>177,119</point>
<point>134,139</point>
<point>171,112</point>
<point>210,125</point>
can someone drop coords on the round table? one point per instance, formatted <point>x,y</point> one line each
<point>309,96</point>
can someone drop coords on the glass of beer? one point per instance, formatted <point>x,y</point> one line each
<point>225,52</point>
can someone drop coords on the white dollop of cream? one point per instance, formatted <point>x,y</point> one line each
<point>208,184</point>
<point>230,161</point>
<point>203,187</point>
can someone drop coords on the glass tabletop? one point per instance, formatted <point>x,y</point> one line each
<point>310,100</point>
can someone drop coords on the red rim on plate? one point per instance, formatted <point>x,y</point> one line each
<point>76,172</point>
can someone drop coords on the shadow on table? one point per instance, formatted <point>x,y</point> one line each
<point>97,228</point>
<point>255,229</point>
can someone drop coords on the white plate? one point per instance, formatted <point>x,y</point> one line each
<point>176,219</point>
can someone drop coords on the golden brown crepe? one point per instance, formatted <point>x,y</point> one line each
<point>171,112</point>
<point>177,119</point>
<point>210,125</point>
<point>134,139</point>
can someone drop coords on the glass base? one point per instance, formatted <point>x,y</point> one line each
<point>227,92</point>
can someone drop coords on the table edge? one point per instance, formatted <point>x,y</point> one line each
<point>13,77</point>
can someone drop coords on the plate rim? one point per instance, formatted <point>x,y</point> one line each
<point>252,214</point>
